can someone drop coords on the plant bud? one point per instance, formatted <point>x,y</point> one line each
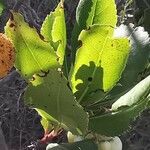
<point>116,144</point>
<point>104,146</point>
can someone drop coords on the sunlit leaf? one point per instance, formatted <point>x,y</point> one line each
<point>33,55</point>
<point>47,125</point>
<point>99,62</point>
<point>91,12</point>
<point>56,102</point>
<point>138,58</point>
<point>54,31</point>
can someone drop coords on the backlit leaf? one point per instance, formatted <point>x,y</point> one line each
<point>99,62</point>
<point>33,55</point>
<point>91,12</point>
<point>54,31</point>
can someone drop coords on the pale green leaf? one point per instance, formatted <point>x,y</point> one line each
<point>133,96</point>
<point>33,55</point>
<point>91,12</point>
<point>54,98</point>
<point>123,111</point>
<point>54,31</point>
<point>99,62</point>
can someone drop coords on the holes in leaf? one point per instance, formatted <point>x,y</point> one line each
<point>88,28</point>
<point>45,106</point>
<point>90,79</point>
<point>12,25</point>
<point>43,73</point>
<point>58,58</point>
<point>79,43</point>
<point>33,79</point>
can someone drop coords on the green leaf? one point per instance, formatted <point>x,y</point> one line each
<point>51,96</point>
<point>82,145</point>
<point>138,58</point>
<point>99,62</point>
<point>2,6</point>
<point>32,53</point>
<point>54,31</point>
<point>2,139</point>
<point>136,68</point>
<point>47,125</point>
<point>91,12</point>
<point>133,96</point>
<point>123,111</point>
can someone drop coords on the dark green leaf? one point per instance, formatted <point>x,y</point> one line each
<point>123,111</point>
<point>53,99</point>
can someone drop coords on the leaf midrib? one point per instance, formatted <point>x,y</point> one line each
<point>93,74</point>
<point>28,47</point>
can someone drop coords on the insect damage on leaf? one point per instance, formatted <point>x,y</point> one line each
<point>7,55</point>
<point>32,53</point>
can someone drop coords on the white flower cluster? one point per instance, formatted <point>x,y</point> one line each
<point>114,144</point>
